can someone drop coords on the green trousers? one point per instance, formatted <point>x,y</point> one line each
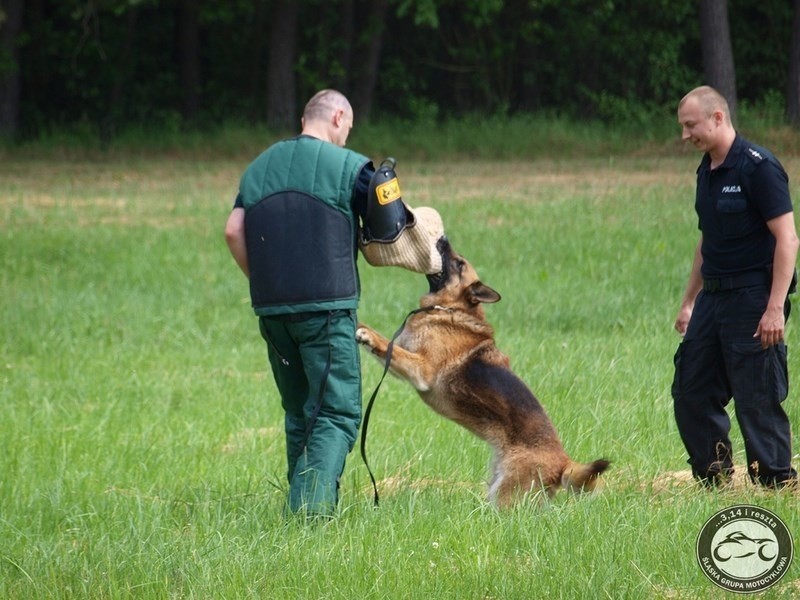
<point>317,369</point>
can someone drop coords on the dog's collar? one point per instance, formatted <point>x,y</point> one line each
<point>434,307</point>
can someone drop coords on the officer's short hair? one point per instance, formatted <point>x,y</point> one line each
<point>709,100</point>
<point>324,103</point>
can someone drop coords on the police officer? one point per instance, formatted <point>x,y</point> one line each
<point>733,313</point>
<point>294,232</point>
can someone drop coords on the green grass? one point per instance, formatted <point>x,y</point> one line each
<point>141,451</point>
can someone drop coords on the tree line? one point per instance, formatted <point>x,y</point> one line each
<point>106,65</point>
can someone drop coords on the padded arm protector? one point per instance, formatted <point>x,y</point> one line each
<point>386,214</point>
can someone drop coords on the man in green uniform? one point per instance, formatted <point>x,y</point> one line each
<point>293,231</point>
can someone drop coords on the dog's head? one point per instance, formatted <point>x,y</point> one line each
<point>458,282</point>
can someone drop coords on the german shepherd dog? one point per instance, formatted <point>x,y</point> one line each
<point>447,353</point>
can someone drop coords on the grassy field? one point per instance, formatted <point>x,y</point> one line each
<point>141,445</point>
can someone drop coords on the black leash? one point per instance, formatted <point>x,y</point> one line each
<point>386,364</point>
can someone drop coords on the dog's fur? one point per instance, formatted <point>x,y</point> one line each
<point>447,352</point>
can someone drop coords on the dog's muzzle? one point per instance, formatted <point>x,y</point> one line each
<point>437,281</point>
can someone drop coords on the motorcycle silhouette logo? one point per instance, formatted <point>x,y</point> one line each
<point>744,549</point>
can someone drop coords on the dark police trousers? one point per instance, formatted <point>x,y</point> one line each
<point>717,360</point>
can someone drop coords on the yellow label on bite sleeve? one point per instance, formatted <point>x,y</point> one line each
<point>388,192</point>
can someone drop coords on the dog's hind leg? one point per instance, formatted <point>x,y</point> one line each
<point>496,479</point>
<point>512,480</point>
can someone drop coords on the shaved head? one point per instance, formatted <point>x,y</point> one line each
<point>324,104</point>
<point>328,116</point>
<point>708,100</point>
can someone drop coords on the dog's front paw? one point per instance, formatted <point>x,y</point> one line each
<point>364,337</point>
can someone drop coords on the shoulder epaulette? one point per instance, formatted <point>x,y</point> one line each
<point>754,154</point>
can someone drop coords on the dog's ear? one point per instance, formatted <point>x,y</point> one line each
<point>478,292</point>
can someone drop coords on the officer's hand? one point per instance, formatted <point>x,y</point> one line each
<point>771,327</point>
<point>682,320</point>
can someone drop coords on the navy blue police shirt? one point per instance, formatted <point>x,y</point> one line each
<point>734,203</point>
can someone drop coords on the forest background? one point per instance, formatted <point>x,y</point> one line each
<point>100,69</point>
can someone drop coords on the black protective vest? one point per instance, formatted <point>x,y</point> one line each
<point>300,227</point>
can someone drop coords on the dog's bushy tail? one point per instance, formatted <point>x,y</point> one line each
<point>582,477</point>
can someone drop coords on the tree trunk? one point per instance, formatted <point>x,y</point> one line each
<point>281,90</point>
<point>793,78</point>
<point>123,76</point>
<point>715,36</point>
<point>10,83</point>
<point>256,77</point>
<point>190,58</point>
<point>364,87</point>
<point>347,32</point>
